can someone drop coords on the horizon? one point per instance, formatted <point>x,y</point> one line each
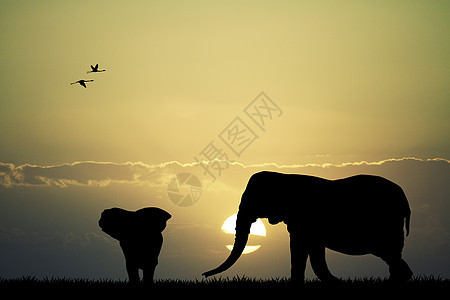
<point>208,94</point>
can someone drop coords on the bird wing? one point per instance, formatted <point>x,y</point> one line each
<point>82,83</point>
<point>92,67</point>
<point>96,66</point>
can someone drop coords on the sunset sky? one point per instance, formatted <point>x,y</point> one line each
<point>326,88</point>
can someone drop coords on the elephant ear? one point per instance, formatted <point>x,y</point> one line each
<point>116,222</point>
<point>153,218</point>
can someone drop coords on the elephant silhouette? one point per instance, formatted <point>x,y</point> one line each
<point>358,215</point>
<point>140,236</point>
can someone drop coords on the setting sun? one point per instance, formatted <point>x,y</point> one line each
<point>257,228</point>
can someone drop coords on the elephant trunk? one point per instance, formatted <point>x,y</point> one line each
<point>242,232</point>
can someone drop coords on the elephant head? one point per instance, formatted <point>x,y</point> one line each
<point>255,203</point>
<point>123,224</point>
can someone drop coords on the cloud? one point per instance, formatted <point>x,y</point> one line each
<point>100,174</point>
<point>345,164</point>
<point>79,173</point>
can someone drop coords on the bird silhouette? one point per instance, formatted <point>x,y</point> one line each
<point>95,69</point>
<point>82,82</point>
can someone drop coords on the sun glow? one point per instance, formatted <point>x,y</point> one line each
<point>257,228</point>
<point>247,249</point>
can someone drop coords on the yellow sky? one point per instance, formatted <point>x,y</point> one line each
<point>353,79</point>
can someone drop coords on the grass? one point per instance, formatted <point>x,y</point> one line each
<point>419,282</point>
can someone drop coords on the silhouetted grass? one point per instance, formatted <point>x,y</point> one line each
<point>419,282</point>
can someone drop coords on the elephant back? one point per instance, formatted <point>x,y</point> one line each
<point>275,195</point>
<point>152,219</point>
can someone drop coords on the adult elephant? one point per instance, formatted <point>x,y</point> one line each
<point>357,215</point>
<point>140,236</point>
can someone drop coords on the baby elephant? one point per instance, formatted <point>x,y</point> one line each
<point>139,235</point>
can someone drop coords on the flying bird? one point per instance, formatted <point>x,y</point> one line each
<point>95,69</point>
<point>82,82</point>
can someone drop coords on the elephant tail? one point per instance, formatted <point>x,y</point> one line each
<point>406,211</point>
<point>407,220</point>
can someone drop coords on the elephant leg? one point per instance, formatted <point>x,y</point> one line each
<point>299,256</point>
<point>130,262</point>
<point>398,268</point>
<point>319,264</point>
<point>133,271</point>
<point>152,250</point>
<point>149,272</point>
